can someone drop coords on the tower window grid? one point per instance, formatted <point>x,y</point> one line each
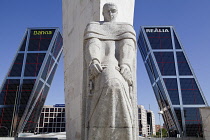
<point>175,86</point>
<point>24,91</point>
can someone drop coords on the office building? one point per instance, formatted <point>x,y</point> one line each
<point>142,116</point>
<point>176,88</point>
<point>157,128</point>
<point>146,122</point>
<point>150,123</point>
<point>26,85</point>
<point>52,119</point>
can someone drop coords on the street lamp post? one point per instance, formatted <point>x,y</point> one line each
<point>160,113</point>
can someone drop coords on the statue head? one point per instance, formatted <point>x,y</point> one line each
<point>110,12</point>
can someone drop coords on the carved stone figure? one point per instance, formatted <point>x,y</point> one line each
<point>110,53</point>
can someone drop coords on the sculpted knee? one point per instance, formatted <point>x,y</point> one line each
<point>127,42</point>
<point>93,41</point>
<point>113,83</point>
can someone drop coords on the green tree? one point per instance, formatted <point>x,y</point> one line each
<point>164,133</point>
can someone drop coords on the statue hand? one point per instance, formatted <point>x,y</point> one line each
<point>95,69</point>
<point>126,73</point>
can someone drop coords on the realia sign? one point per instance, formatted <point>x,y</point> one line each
<point>157,30</point>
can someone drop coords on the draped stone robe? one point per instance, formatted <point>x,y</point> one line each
<point>110,110</point>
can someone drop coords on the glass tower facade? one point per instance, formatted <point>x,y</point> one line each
<point>24,90</point>
<point>175,86</point>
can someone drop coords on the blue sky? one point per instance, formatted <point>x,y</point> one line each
<point>189,17</point>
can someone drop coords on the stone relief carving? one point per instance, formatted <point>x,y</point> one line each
<point>110,53</point>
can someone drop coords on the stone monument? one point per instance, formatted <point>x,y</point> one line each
<point>205,117</point>
<point>76,15</point>
<point>109,95</point>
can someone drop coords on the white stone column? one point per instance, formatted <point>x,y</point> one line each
<point>76,15</point>
<point>205,116</point>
